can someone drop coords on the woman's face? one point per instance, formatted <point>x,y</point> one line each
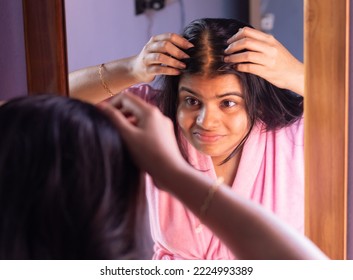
<point>211,113</point>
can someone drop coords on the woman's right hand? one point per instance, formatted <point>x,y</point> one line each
<point>149,136</point>
<point>160,56</point>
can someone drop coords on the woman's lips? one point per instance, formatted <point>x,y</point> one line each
<point>207,137</point>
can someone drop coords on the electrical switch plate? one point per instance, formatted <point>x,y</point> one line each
<point>142,5</point>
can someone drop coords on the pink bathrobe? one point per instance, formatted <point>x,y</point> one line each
<point>270,172</point>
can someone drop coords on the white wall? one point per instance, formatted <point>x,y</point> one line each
<point>104,30</point>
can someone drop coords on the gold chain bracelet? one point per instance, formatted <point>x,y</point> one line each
<point>210,195</point>
<point>104,84</point>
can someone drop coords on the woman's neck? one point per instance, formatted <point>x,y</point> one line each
<point>227,170</point>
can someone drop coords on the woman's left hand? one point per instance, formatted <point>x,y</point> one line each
<point>266,57</point>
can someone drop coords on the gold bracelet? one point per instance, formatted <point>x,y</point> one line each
<point>104,84</point>
<point>211,192</point>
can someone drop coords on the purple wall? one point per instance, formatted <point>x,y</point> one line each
<point>288,25</point>
<point>13,81</point>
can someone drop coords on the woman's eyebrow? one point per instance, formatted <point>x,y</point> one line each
<point>235,93</point>
<point>231,93</point>
<point>190,91</point>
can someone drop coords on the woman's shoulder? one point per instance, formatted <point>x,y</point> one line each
<point>293,133</point>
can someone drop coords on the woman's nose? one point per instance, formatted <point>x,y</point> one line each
<point>207,118</point>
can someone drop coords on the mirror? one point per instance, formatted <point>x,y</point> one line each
<point>98,32</point>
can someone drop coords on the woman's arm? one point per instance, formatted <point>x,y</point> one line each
<point>160,56</point>
<point>266,57</point>
<point>250,231</point>
<point>86,84</point>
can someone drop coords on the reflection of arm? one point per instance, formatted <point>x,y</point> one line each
<point>160,56</point>
<point>85,84</point>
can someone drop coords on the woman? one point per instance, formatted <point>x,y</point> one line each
<point>250,231</point>
<point>229,122</point>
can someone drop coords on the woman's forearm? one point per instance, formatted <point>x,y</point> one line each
<point>250,231</point>
<point>86,84</point>
<point>296,83</point>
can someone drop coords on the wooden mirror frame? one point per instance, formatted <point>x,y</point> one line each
<point>326,45</point>
<point>326,56</point>
<point>45,44</point>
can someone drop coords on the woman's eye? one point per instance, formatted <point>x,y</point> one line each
<point>192,101</point>
<point>228,103</point>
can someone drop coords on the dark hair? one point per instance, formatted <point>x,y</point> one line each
<point>264,102</point>
<point>68,187</point>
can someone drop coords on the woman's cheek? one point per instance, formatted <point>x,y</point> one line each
<point>185,121</point>
<point>182,118</point>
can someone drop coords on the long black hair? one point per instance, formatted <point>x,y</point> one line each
<point>264,102</point>
<point>68,187</point>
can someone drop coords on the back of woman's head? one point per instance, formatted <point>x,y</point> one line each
<point>68,187</point>
<point>264,102</point>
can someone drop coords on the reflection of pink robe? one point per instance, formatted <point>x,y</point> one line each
<point>270,172</point>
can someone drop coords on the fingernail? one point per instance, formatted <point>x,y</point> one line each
<point>240,30</point>
<point>226,59</point>
<point>226,50</point>
<point>188,44</point>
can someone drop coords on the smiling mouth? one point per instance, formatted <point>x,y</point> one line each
<point>207,138</point>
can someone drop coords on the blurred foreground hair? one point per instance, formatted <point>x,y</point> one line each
<point>68,187</point>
